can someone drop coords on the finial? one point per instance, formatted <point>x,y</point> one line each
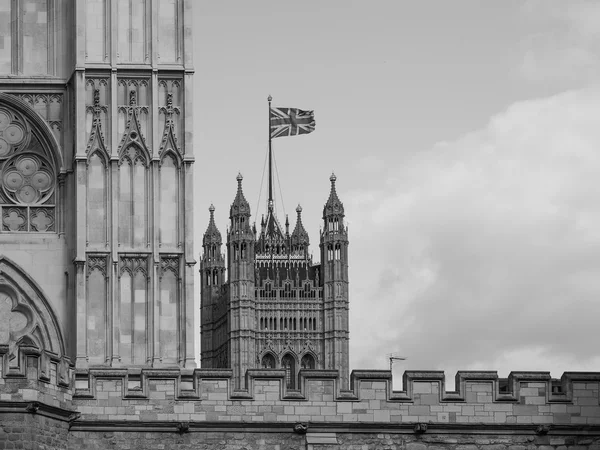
<point>332,178</point>
<point>211,209</point>
<point>299,209</point>
<point>269,98</point>
<point>239,177</point>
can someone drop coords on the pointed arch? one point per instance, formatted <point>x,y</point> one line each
<point>268,360</point>
<point>28,299</point>
<point>133,190</point>
<point>132,134</point>
<point>45,135</point>
<point>308,360</point>
<point>30,163</point>
<point>126,153</point>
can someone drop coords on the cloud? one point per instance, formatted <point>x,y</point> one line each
<point>485,252</point>
<point>567,47</point>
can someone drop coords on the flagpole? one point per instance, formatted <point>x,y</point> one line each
<point>270,201</point>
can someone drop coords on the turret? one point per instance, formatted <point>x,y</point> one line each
<point>300,240</point>
<point>334,263</point>
<point>212,277</point>
<point>240,263</point>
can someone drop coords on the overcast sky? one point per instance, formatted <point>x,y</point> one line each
<point>465,137</point>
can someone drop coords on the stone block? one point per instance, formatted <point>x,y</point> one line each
<point>328,410</point>
<point>422,387</point>
<point>366,394</point>
<point>429,399</point>
<point>443,417</point>
<point>468,410</point>
<point>381,416</point>
<point>366,417</point>
<point>587,401</point>
<point>525,410</point>
<point>418,410</point>
<point>535,400</point>
<point>481,387</point>
<point>344,407</point>
<point>529,391</point>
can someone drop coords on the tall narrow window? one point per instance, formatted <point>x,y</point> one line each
<point>268,361</point>
<point>287,362</point>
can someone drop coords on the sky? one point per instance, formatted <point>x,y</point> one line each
<point>464,136</point>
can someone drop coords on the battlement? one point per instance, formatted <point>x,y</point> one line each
<point>37,376</point>
<point>207,395</point>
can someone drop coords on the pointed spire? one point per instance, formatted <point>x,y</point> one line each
<point>240,205</point>
<point>212,235</point>
<point>299,235</point>
<point>333,205</point>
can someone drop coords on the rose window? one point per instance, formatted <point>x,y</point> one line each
<point>27,177</point>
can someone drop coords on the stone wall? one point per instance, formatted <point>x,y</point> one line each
<point>24,430</point>
<point>207,395</point>
<point>376,440</point>
<point>104,408</point>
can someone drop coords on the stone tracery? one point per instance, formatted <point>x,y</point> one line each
<point>28,176</point>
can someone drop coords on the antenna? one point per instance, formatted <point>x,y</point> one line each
<point>394,357</point>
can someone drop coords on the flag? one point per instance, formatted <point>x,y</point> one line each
<point>291,122</point>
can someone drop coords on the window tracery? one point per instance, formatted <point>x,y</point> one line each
<point>28,180</point>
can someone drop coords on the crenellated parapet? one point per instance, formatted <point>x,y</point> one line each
<point>31,378</point>
<point>525,398</point>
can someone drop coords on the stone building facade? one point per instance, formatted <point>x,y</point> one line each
<point>96,275</point>
<point>277,309</point>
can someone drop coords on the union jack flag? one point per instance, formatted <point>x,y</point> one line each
<point>291,122</point>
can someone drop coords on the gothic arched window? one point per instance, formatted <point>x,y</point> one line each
<point>268,361</point>
<point>28,193</point>
<point>288,363</point>
<point>307,362</point>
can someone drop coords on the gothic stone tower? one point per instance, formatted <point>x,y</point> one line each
<point>277,309</point>
<point>96,186</point>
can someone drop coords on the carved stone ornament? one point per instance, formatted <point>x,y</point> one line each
<point>301,428</point>
<point>96,139</point>
<point>133,264</point>
<point>169,264</point>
